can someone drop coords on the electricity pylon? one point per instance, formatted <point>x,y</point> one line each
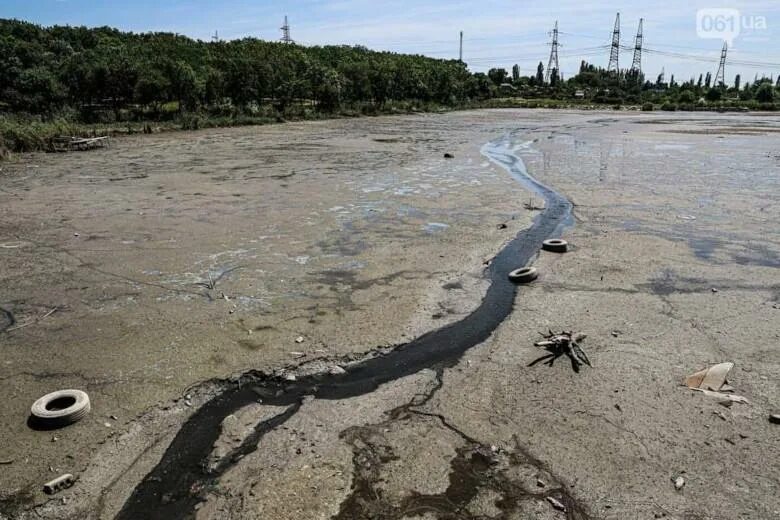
<point>720,77</point>
<point>553,61</point>
<point>615,49</point>
<point>636,65</point>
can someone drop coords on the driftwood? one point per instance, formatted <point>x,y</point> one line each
<point>560,343</point>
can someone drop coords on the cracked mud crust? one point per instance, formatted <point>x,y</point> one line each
<point>357,236</point>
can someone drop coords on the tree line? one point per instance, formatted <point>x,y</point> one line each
<point>103,75</point>
<point>104,72</point>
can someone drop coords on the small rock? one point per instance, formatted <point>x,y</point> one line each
<point>107,425</point>
<point>289,377</point>
<point>679,482</point>
<point>540,483</point>
<point>113,417</point>
<point>297,354</point>
<point>449,156</point>
<point>557,504</point>
<point>336,370</point>
<point>76,234</point>
<point>615,333</point>
<point>775,418</point>
<point>714,290</point>
<point>299,339</point>
<point>502,226</point>
<point>188,403</point>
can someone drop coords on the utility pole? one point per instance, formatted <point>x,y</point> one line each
<point>720,77</point>
<point>636,65</point>
<point>215,38</point>
<point>286,31</point>
<point>615,49</point>
<point>552,63</point>
<point>460,53</point>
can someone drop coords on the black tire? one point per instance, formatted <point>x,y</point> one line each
<point>523,275</point>
<point>60,408</point>
<point>555,245</point>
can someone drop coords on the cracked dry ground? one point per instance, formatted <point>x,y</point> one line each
<point>666,211</point>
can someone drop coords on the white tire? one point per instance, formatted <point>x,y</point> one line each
<point>61,408</point>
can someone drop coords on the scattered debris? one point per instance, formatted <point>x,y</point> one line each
<point>712,378</point>
<point>565,342</point>
<point>557,504</point>
<point>34,320</point>
<point>70,143</point>
<point>60,408</point>
<point>58,484</point>
<point>723,398</point>
<point>336,370</point>
<point>679,483</point>
<point>530,206</point>
<point>712,383</point>
<point>774,418</point>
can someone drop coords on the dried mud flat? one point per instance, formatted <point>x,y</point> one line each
<point>177,259</point>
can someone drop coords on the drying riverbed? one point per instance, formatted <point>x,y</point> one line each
<point>185,269</point>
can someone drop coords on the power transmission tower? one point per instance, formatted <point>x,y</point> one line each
<point>215,38</point>
<point>720,77</point>
<point>553,62</point>
<point>636,65</point>
<point>286,31</point>
<point>460,53</point>
<point>615,50</point>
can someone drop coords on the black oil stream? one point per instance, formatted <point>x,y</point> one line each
<point>173,488</point>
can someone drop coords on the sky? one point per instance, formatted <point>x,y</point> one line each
<point>683,38</point>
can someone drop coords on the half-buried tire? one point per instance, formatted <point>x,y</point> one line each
<point>60,408</point>
<point>555,245</point>
<point>523,275</point>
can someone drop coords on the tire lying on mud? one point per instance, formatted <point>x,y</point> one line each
<point>60,408</point>
<point>555,245</point>
<point>523,275</point>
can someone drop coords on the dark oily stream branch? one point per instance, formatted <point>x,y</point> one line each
<point>174,487</point>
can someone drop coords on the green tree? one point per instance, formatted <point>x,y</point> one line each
<point>765,93</point>
<point>540,74</point>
